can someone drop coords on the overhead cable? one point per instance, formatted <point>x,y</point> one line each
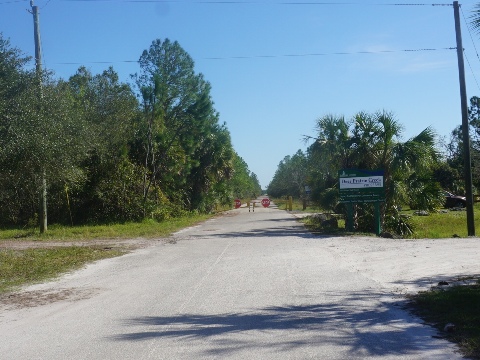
<point>246,57</point>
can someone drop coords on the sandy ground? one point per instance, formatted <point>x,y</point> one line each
<point>407,266</point>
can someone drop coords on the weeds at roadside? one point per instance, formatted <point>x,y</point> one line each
<point>458,306</point>
<point>439,225</point>
<point>325,224</point>
<point>19,267</point>
<point>148,229</point>
<point>446,224</point>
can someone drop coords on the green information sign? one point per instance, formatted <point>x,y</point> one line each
<point>359,186</point>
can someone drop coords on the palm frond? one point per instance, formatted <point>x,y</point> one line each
<point>475,18</point>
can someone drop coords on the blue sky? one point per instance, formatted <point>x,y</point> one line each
<point>274,66</point>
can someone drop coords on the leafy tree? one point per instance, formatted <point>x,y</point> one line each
<point>12,63</point>
<point>455,151</point>
<point>41,138</point>
<point>178,128</point>
<point>108,108</point>
<point>244,183</point>
<point>474,121</point>
<point>448,177</point>
<point>330,152</point>
<point>209,177</point>
<point>290,178</point>
<point>255,185</point>
<point>13,81</point>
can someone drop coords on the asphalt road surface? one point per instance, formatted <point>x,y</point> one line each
<point>247,285</point>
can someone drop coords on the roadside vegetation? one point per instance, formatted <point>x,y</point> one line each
<point>436,225</point>
<point>148,228</point>
<point>31,266</point>
<point>96,150</point>
<point>455,312</point>
<point>441,224</point>
<point>46,261</point>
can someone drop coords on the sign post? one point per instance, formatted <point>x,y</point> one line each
<point>350,217</point>
<point>377,225</point>
<point>362,186</point>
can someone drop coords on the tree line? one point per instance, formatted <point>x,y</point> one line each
<point>111,151</point>
<point>416,171</point>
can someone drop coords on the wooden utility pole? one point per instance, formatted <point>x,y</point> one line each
<point>38,64</point>
<point>465,124</point>
<point>36,35</point>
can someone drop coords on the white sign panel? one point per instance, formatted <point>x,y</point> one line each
<point>361,182</point>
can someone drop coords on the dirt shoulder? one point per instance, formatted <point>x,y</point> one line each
<point>132,244</point>
<point>26,297</point>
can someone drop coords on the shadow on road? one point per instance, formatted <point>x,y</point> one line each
<point>282,227</point>
<point>279,231</point>
<point>441,281</point>
<point>386,330</point>
<point>276,232</point>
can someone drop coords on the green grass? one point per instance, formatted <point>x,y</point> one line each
<point>36,265</point>
<point>23,267</point>
<point>443,225</point>
<point>433,226</point>
<point>459,305</point>
<point>146,229</point>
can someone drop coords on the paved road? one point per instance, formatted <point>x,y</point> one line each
<point>242,286</point>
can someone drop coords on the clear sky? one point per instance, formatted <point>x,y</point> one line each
<point>275,66</point>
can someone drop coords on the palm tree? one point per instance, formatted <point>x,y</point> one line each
<point>373,143</point>
<point>475,18</point>
<point>365,140</point>
<point>416,159</point>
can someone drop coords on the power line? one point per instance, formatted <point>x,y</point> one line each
<point>471,69</point>
<point>273,56</point>
<point>362,4</point>
<point>326,54</point>
<point>96,62</point>
<point>12,2</point>
<point>233,2</point>
<point>44,6</point>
